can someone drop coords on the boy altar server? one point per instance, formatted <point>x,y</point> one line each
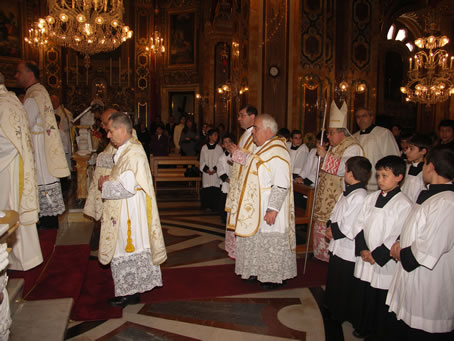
<point>421,291</point>
<point>340,280</point>
<point>418,146</point>
<point>377,228</point>
<point>298,152</point>
<point>209,156</point>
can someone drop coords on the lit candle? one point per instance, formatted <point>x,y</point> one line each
<point>411,59</point>
<point>110,71</point>
<point>119,71</point>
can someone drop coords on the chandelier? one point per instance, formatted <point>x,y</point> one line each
<point>37,34</point>
<point>431,76</point>
<point>87,26</point>
<point>156,44</point>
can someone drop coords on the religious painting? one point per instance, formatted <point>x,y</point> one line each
<point>182,38</point>
<point>181,104</point>
<point>10,37</point>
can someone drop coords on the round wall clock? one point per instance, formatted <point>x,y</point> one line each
<point>273,71</point>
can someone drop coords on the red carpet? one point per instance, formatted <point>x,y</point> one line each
<point>96,290</point>
<point>64,275</point>
<point>221,280</point>
<point>47,241</point>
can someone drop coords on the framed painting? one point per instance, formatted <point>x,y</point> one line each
<point>182,39</point>
<point>10,29</point>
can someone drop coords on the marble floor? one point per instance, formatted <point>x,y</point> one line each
<point>196,238</point>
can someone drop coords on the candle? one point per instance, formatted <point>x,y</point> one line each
<point>411,59</point>
<point>450,66</point>
<point>119,71</point>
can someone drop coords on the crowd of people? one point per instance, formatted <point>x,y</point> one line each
<point>383,214</point>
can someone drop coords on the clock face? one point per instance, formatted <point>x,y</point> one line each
<point>274,71</point>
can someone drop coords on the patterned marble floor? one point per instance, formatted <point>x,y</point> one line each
<point>196,238</point>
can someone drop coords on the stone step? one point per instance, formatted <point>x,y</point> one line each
<point>41,320</point>
<point>15,288</point>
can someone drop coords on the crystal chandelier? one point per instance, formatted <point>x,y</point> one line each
<point>431,75</point>
<point>87,26</point>
<point>156,44</point>
<point>37,34</point>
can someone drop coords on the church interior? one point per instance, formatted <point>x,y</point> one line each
<point>207,60</point>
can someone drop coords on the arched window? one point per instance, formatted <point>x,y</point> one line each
<point>400,34</point>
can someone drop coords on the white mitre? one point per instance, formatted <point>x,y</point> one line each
<point>338,117</point>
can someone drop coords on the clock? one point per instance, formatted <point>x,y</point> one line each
<point>273,71</point>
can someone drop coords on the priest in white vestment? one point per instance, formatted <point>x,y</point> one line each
<point>66,125</point>
<point>18,180</point>
<point>131,237</point>
<point>104,164</point>
<point>246,118</point>
<point>50,160</point>
<point>264,219</point>
<point>377,142</point>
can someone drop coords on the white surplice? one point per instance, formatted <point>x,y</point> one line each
<point>377,144</point>
<point>209,158</point>
<point>381,226</point>
<point>298,157</point>
<point>424,297</point>
<point>413,184</point>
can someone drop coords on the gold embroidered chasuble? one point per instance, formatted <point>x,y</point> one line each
<point>104,163</point>
<point>14,124</point>
<point>248,215</point>
<point>246,144</point>
<point>132,159</point>
<point>331,185</point>
<point>55,155</point>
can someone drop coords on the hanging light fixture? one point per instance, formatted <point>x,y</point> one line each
<point>156,44</point>
<point>87,26</point>
<point>431,73</point>
<point>38,34</point>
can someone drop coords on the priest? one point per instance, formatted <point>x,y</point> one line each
<point>50,160</point>
<point>376,141</point>
<point>104,164</point>
<point>264,217</point>
<point>331,184</point>
<point>19,191</point>
<point>246,118</point>
<point>131,237</point>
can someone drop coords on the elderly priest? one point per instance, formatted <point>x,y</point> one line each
<point>264,217</point>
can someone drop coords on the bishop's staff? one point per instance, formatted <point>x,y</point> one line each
<point>321,103</point>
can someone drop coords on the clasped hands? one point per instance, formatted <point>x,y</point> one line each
<point>101,181</point>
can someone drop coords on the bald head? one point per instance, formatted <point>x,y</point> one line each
<point>105,117</point>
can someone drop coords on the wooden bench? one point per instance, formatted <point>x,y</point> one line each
<point>303,216</point>
<point>173,170</point>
